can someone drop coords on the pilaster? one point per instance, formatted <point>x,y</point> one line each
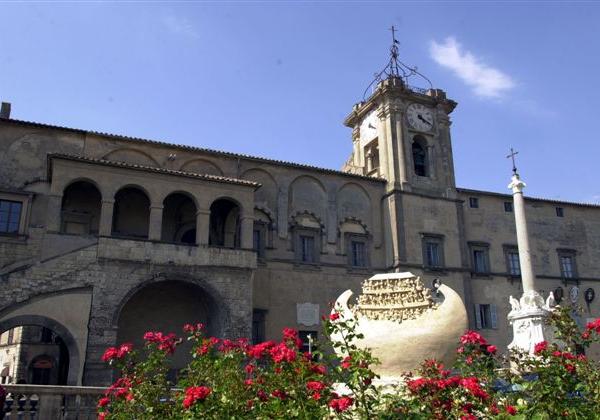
<point>106,217</point>
<point>155,228</point>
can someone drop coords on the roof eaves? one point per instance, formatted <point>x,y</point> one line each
<point>200,149</point>
<point>546,200</point>
<point>207,177</point>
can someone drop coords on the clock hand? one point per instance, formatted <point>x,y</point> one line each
<point>423,119</point>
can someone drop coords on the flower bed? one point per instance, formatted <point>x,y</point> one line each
<point>234,379</point>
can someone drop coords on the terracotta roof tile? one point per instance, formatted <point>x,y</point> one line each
<point>207,177</point>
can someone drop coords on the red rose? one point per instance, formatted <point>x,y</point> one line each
<point>346,363</point>
<point>334,316</point>
<point>540,347</point>
<point>341,404</point>
<point>103,402</point>
<point>511,410</point>
<point>491,349</point>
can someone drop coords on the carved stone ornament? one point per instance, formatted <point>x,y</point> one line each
<point>527,319</point>
<point>403,322</point>
<point>307,314</point>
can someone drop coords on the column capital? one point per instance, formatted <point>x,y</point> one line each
<point>109,201</point>
<point>516,185</point>
<point>156,207</point>
<point>201,212</point>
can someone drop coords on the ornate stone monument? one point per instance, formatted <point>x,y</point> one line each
<point>528,314</point>
<point>404,322</point>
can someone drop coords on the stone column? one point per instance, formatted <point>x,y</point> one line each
<point>106,217</point>
<point>247,231</point>
<point>155,228</point>
<point>202,226</point>
<point>527,275</point>
<point>529,313</point>
<point>54,213</point>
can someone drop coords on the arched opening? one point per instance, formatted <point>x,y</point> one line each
<point>80,210</point>
<point>33,354</point>
<point>179,219</point>
<point>419,153</point>
<point>166,306</point>
<point>131,214</point>
<point>224,224</point>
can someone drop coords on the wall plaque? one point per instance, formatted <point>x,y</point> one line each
<point>307,313</point>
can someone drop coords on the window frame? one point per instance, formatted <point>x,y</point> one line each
<point>473,202</point>
<point>299,232</point>
<point>508,250</point>
<point>25,199</point>
<point>482,247</point>
<point>437,239</point>
<point>349,239</point>
<point>262,228</point>
<point>567,253</point>
<point>421,142</point>
<point>508,207</point>
<point>560,211</point>
<point>480,322</point>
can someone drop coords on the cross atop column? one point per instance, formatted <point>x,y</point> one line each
<point>512,156</point>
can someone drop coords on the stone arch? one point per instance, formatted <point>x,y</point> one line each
<point>225,223</point>
<point>308,194</point>
<point>420,156</point>
<point>58,328</point>
<point>130,155</point>
<point>131,214</point>
<point>80,208</point>
<point>165,304</point>
<point>179,218</point>
<point>353,201</point>
<point>201,166</point>
<point>266,195</point>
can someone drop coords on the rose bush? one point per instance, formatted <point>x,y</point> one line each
<point>234,379</point>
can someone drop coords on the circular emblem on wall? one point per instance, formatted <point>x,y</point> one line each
<point>559,293</point>
<point>574,294</point>
<point>589,295</point>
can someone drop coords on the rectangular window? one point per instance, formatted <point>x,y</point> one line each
<point>10,216</point>
<point>433,250</point>
<point>309,340</point>
<point>479,263</point>
<point>307,249</point>
<point>567,267</point>
<point>258,325</point>
<point>11,336</point>
<point>486,316</point>
<point>508,206</point>
<point>480,259</point>
<point>474,202</point>
<point>514,265</point>
<point>359,255</point>
<point>258,244</point>
<point>560,212</point>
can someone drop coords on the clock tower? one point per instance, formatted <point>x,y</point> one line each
<point>402,133</point>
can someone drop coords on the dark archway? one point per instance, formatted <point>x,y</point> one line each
<point>166,306</point>
<point>179,219</point>
<point>131,214</point>
<point>47,351</point>
<point>224,224</point>
<point>419,154</point>
<point>80,210</point>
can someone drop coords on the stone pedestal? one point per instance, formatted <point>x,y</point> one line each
<point>528,319</point>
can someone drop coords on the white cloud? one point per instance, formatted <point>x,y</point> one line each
<point>485,80</point>
<point>180,26</point>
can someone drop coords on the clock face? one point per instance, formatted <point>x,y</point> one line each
<point>419,117</point>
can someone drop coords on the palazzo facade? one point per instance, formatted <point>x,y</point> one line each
<point>103,236</point>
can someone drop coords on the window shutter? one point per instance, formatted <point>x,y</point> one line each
<point>477,316</point>
<point>493,316</point>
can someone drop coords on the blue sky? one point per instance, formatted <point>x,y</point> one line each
<point>277,79</point>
